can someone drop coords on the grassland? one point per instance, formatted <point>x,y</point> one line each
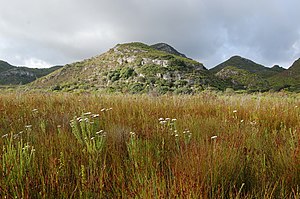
<point>60,145</point>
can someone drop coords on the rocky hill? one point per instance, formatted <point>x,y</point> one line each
<point>248,65</point>
<point>13,75</point>
<point>167,48</point>
<point>133,68</point>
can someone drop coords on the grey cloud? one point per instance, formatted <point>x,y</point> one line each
<point>59,32</point>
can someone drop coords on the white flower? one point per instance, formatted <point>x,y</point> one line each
<point>102,109</point>
<point>87,113</point>
<point>28,126</point>
<point>95,115</point>
<point>6,135</point>
<point>234,111</point>
<point>132,133</point>
<point>174,119</point>
<point>242,121</point>
<point>161,119</point>
<point>213,137</point>
<point>167,119</point>
<point>176,135</point>
<point>163,122</point>
<point>78,119</point>
<point>34,110</point>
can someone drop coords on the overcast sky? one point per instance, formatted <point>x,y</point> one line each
<point>40,33</point>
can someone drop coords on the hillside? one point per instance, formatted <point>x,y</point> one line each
<point>4,66</point>
<point>248,65</point>
<point>288,79</point>
<point>243,79</point>
<point>167,48</point>
<point>13,75</point>
<point>134,68</point>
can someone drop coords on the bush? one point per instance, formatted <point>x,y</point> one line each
<point>126,72</point>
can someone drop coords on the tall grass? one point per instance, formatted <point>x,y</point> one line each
<point>137,146</point>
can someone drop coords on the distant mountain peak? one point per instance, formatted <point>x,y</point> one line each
<point>167,48</point>
<point>246,64</point>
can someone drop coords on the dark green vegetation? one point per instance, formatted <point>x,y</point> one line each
<point>120,146</point>
<point>133,68</point>
<point>12,75</point>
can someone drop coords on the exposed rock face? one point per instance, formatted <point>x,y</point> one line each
<point>17,72</point>
<point>167,48</point>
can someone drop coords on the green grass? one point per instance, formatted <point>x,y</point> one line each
<point>60,145</point>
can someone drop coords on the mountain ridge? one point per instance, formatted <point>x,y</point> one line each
<point>16,75</point>
<point>246,64</point>
<point>140,68</point>
<point>133,67</point>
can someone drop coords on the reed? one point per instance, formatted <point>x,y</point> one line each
<point>62,145</point>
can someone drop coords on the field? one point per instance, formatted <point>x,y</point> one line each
<point>60,145</point>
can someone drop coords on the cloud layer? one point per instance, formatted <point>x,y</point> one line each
<point>52,32</point>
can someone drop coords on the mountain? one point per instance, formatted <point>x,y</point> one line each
<point>133,68</point>
<point>243,79</point>
<point>248,65</point>
<point>278,69</point>
<point>13,75</point>
<point>4,66</point>
<point>167,48</point>
<point>288,79</point>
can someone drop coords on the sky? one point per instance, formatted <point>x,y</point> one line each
<point>43,33</point>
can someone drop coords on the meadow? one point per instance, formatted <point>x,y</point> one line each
<point>62,145</point>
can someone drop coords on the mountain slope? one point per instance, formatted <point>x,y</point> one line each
<point>289,78</point>
<point>13,75</point>
<point>4,66</point>
<point>135,68</point>
<point>167,48</point>
<point>248,65</point>
<point>243,79</point>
